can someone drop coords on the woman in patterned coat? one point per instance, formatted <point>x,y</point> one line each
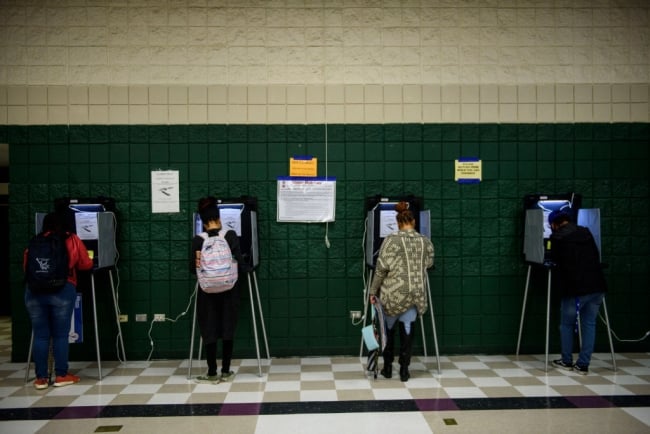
<point>399,280</point>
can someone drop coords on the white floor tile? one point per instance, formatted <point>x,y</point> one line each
<point>21,427</point>
<point>282,386</point>
<point>141,388</point>
<point>20,401</point>
<point>169,398</point>
<point>352,384</point>
<point>318,395</point>
<point>91,400</point>
<point>490,382</point>
<point>512,372</point>
<point>625,379</point>
<point>158,371</point>
<point>609,389</point>
<point>471,365</point>
<point>641,413</point>
<point>392,394</point>
<point>316,376</point>
<point>243,397</point>
<point>530,391</point>
<point>558,380</point>
<point>118,379</point>
<point>465,392</point>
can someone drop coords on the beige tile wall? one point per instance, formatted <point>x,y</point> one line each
<point>259,104</point>
<point>312,61</point>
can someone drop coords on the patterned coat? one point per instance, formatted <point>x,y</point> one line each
<point>400,273</point>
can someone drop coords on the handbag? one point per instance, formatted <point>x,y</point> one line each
<point>368,333</point>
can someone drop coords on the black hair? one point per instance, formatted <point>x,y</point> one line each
<point>208,209</point>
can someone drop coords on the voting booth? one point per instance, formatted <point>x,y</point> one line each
<point>537,246</point>
<point>240,215</point>
<point>380,222</point>
<point>93,220</point>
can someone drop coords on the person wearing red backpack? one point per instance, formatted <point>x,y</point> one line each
<point>217,313</point>
<point>50,309</point>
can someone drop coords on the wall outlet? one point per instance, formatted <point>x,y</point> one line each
<point>124,318</point>
<point>141,317</point>
<point>355,314</point>
<point>159,317</point>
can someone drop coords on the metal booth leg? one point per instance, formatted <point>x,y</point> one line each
<point>433,326</point>
<point>609,335</point>
<point>257,343</point>
<point>191,356</point>
<point>548,316</point>
<point>29,357</point>
<point>99,359</point>
<point>523,309</point>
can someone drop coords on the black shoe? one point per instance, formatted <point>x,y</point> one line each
<point>404,374</point>
<point>563,365</point>
<point>387,371</point>
<point>582,370</point>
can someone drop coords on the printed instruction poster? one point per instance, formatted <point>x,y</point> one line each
<point>306,200</point>
<point>164,191</point>
<point>86,224</point>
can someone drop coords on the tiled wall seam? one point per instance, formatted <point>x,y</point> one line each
<point>298,104</point>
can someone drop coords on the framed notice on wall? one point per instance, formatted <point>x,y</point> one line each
<point>306,199</point>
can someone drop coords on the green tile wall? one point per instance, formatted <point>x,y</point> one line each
<point>307,289</point>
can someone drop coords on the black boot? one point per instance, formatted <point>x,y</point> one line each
<point>387,370</point>
<point>406,345</point>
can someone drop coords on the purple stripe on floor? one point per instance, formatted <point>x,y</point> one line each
<point>244,409</point>
<point>80,412</point>
<point>589,401</point>
<point>436,404</point>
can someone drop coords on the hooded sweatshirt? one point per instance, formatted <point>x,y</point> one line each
<point>578,268</point>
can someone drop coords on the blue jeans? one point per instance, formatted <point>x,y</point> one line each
<point>587,306</point>
<point>51,315</point>
<point>407,318</point>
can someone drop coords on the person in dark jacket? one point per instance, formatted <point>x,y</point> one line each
<point>217,313</point>
<point>579,278</point>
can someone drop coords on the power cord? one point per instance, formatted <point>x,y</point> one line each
<point>172,320</point>
<point>362,318</point>
<point>118,312</point>
<point>642,338</point>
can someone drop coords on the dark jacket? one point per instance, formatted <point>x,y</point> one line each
<point>578,269</point>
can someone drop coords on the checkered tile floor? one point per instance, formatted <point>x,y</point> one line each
<point>136,396</point>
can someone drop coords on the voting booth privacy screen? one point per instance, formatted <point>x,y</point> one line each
<point>381,221</point>
<point>537,230</point>
<point>239,215</point>
<point>93,220</point>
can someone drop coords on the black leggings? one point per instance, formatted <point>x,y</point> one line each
<point>211,356</point>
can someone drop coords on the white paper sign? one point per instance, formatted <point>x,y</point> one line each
<point>306,200</point>
<point>164,191</point>
<point>387,222</point>
<point>86,225</point>
<point>231,219</point>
